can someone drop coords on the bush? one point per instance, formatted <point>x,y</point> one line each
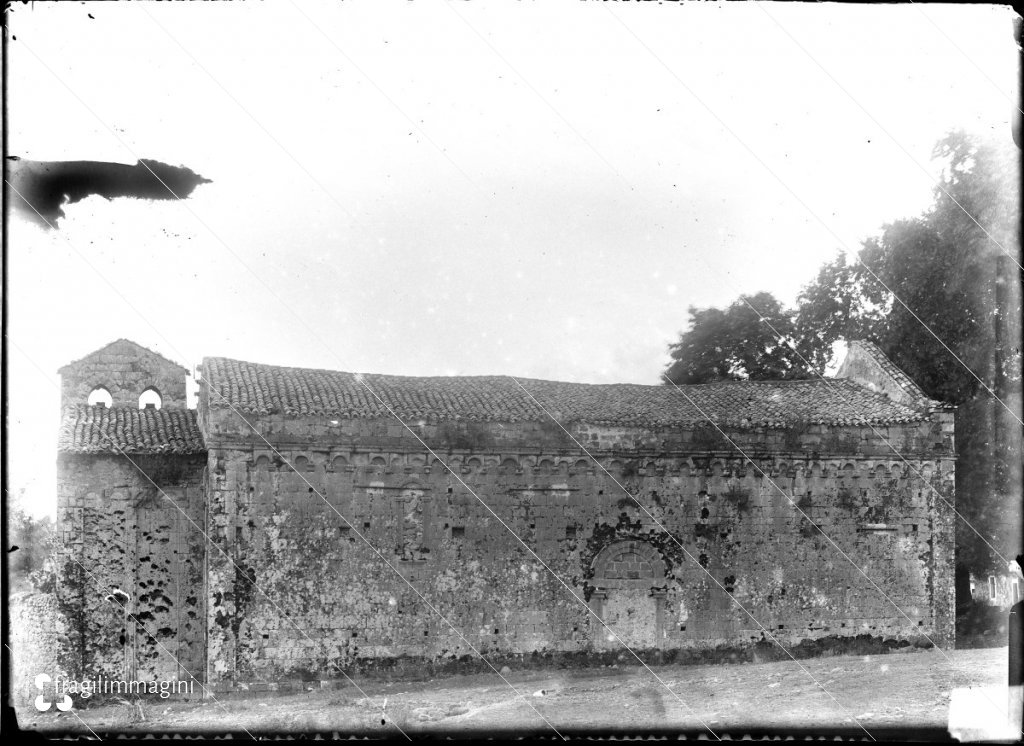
<point>29,544</point>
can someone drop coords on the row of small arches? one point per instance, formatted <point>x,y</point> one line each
<point>565,467</point>
<point>378,463</point>
<point>100,396</point>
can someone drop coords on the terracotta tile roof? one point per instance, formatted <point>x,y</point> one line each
<point>252,388</point>
<point>99,429</point>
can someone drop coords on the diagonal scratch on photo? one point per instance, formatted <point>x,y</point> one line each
<point>424,370</point>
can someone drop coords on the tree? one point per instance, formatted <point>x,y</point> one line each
<point>842,302</point>
<point>28,544</point>
<point>954,328</point>
<point>977,209</point>
<point>940,293</point>
<point>752,338</point>
<point>938,273</point>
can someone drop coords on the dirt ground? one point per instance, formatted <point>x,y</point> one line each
<point>875,693</point>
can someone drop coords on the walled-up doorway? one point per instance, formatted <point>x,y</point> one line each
<point>629,596</point>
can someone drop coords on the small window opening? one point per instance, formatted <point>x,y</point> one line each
<point>150,399</point>
<point>458,532</point>
<point>570,532</point>
<point>991,587</point>
<point>100,395</point>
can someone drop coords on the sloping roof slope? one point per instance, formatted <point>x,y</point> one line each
<point>99,429</point>
<point>253,388</point>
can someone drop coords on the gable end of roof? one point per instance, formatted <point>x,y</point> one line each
<point>122,340</point>
<point>868,366</point>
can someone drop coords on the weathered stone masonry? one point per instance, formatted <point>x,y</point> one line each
<point>131,506</point>
<point>300,466</point>
<point>128,545</point>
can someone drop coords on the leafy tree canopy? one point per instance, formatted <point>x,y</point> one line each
<point>752,338</point>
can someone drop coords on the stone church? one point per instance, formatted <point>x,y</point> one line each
<point>302,524</point>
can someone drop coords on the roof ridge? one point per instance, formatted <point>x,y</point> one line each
<point>508,377</point>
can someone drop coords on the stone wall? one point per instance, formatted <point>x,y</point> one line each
<point>132,542</point>
<point>931,438</point>
<point>523,541</point>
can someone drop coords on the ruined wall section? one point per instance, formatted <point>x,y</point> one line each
<point>37,636</point>
<point>123,535</point>
<point>297,594</point>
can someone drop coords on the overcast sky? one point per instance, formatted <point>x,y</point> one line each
<point>434,188</point>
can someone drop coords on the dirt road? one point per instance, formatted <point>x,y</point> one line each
<point>861,693</point>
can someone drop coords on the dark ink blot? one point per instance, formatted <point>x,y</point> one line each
<point>39,190</point>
